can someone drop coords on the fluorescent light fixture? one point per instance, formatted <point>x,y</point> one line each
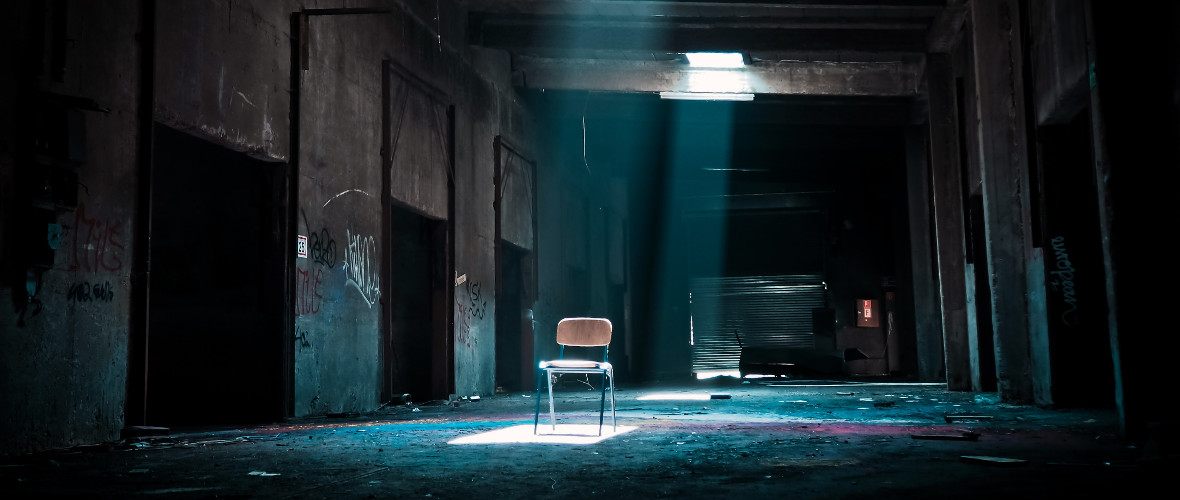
<point>715,59</point>
<point>523,434</point>
<point>707,96</point>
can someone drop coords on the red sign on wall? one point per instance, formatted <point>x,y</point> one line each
<point>867,313</point>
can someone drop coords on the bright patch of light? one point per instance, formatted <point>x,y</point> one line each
<point>707,96</point>
<point>704,374</point>
<point>674,396</point>
<point>715,59</point>
<point>565,434</point>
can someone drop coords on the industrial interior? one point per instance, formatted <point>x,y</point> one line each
<point>843,248</point>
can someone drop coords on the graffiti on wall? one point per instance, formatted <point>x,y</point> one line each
<point>307,291</point>
<point>1063,281</point>
<point>359,266</point>
<point>301,338</point>
<point>88,292</point>
<point>322,248</point>
<point>471,308</point>
<point>98,242</point>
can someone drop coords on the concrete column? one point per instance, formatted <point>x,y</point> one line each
<point>1135,123</point>
<point>948,219</point>
<point>1003,156</point>
<point>927,309</point>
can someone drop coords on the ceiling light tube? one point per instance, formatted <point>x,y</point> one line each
<point>707,96</point>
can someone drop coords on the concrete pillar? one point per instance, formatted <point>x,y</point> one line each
<point>1003,156</point>
<point>927,309</point>
<point>1134,82</point>
<point>948,219</point>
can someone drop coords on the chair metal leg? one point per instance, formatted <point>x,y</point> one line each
<point>602,404</point>
<point>613,425</point>
<point>537,413</point>
<point>552,414</point>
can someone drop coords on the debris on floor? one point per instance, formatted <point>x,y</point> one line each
<point>966,436</point>
<point>986,460</point>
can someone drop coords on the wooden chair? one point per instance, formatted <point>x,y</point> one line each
<point>579,332</point>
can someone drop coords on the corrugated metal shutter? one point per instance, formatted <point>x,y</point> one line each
<point>766,311</point>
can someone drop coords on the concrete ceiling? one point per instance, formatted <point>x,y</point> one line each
<point>833,79</point>
<point>798,47</point>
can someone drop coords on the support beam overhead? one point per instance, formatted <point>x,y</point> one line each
<point>786,78</point>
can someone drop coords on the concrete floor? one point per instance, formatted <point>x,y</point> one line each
<point>852,438</point>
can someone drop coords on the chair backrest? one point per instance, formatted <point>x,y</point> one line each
<point>584,332</point>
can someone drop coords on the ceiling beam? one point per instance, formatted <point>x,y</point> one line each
<point>697,37</point>
<point>780,78</point>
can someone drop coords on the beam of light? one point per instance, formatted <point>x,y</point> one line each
<point>707,96</point>
<point>565,434</point>
<point>715,59</point>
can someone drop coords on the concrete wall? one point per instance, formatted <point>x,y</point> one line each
<point>340,185</point>
<point>1057,52</point>
<point>223,74</point>
<point>64,342</point>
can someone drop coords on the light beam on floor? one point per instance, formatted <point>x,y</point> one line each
<point>564,434</point>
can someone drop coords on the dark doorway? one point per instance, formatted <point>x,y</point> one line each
<point>514,326</point>
<point>215,302</point>
<point>418,306</point>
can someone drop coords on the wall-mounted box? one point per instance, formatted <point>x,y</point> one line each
<point>867,313</point>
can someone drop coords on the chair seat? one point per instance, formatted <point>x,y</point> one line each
<point>574,363</point>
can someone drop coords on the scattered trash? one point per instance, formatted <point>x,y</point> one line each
<point>261,473</point>
<point>415,410</point>
<point>966,436</point>
<point>843,393</point>
<point>475,398</point>
<point>952,418</point>
<point>980,459</point>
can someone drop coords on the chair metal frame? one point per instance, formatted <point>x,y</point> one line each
<point>548,369</point>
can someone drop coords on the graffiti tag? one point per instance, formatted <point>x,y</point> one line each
<point>358,265</point>
<point>307,291</point>
<point>301,338</point>
<point>469,310</point>
<point>1063,279</point>
<point>87,292</point>
<point>98,243</point>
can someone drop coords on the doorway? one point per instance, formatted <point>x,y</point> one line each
<point>514,320</point>
<point>215,345</point>
<point>418,332</point>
